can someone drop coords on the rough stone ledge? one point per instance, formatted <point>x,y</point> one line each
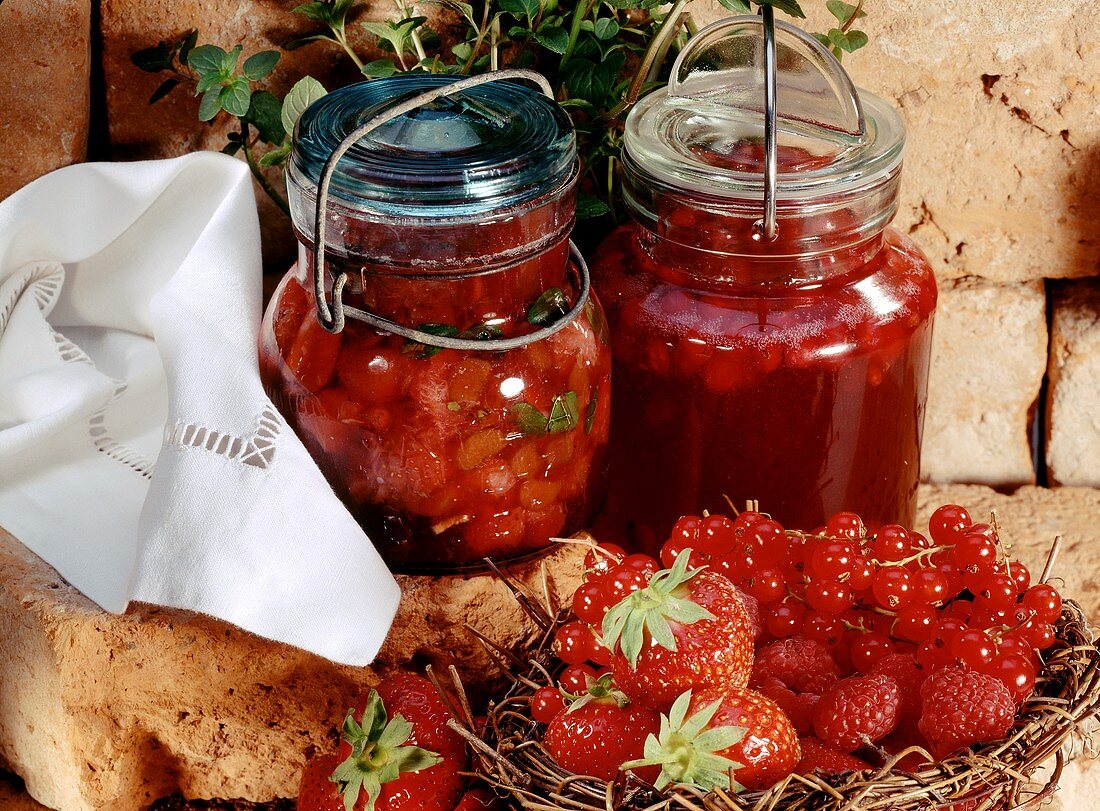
<point>113,712</point>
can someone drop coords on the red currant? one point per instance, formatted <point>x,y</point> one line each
<point>845,525</point>
<point>973,648</point>
<point>823,628</point>
<point>997,591</point>
<point>621,582</point>
<point>829,597</point>
<point>767,585</point>
<point>716,536</point>
<point>768,542</point>
<point>832,559</point>
<point>974,553</point>
<point>574,679</point>
<point>590,603</point>
<point>1016,672</point>
<point>1044,601</point>
<point>916,622</point>
<point>601,559</point>
<point>929,586</point>
<point>1041,635</point>
<point>784,619</point>
<point>546,704</point>
<point>574,643</point>
<point>892,543</point>
<point>868,649</point>
<point>641,563</point>
<point>892,589</point>
<point>1021,575</point>
<point>861,573</point>
<point>948,523</point>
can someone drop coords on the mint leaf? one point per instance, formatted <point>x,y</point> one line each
<point>522,8</point>
<point>235,97</point>
<point>379,68</point>
<point>856,40</point>
<point>305,91</point>
<point>229,61</point>
<point>738,6</point>
<point>265,114</point>
<point>605,28</point>
<point>207,59</point>
<point>548,307</point>
<point>564,413</point>
<point>210,105</point>
<point>844,11</point>
<point>789,6</point>
<point>553,38</point>
<point>260,64</point>
<point>589,207</point>
<point>425,351</point>
<point>275,157</point>
<point>530,420</point>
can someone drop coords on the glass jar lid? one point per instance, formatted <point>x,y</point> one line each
<point>493,146</point>
<point>703,134</point>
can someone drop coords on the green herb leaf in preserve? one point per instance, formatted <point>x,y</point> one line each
<point>548,307</point>
<point>564,413</point>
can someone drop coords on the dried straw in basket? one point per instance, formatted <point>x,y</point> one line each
<point>993,777</point>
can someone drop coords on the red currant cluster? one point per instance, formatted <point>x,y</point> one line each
<point>954,597</point>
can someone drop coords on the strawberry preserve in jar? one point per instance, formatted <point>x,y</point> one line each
<point>461,409</point>
<point>783,361</point>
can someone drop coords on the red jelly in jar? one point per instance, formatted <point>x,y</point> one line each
<point>792,370</point>
<point>452,222</point>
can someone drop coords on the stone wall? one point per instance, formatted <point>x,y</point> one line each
<point>1001,189</point>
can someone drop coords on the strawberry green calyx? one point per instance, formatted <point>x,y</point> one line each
<point>686,750</point>
<point>602,689</point>
<point>378,753</point>
<point>650,609</point>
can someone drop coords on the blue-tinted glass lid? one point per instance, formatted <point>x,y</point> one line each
<point>487,148</point>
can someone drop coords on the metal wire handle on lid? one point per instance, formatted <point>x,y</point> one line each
<point>333,318</point>
<point>702,70</point>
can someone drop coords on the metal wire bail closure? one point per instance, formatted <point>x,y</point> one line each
<point>698,73</point>
<point>333,318</point>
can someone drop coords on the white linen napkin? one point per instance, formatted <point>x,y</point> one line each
<point>139,454</point>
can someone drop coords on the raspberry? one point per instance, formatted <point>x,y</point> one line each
<point>909,676</point>
<point>799,707</point>
<point>963,707</point>
<point>802,664</point>
<point>856,708</point>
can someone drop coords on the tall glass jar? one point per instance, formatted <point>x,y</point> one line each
<point>450,220</point>
<point>792,370</point>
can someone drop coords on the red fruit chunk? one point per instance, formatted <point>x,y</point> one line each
<point>598,737</point>
<point>801,664</point>
<point>963,707</point>
<point>857,709</point>
<point>818,756</point>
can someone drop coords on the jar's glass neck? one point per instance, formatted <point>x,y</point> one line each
<point>435,245</point>
<point>715,240</point>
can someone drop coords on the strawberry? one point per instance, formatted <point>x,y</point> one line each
<point>399,755</point>
<point>317,791</point>
<point>820,757</point>
<point>688,629</point>
<point>600,732</point>
<point>723,739</point>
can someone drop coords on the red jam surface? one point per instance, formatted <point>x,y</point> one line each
<point>446,457</point>
<point>808,397</point>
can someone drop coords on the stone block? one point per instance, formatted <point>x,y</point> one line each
<point>1073,400</point>
<point>99,711</point>
<point>45,64</point>
<point>989,354</point>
